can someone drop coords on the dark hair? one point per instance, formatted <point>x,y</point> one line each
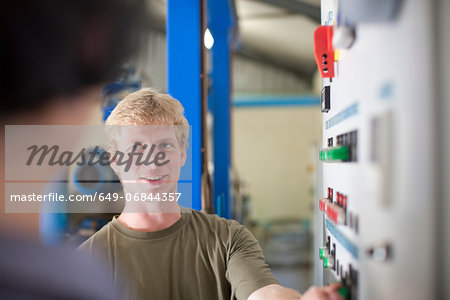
<point>55,47</point>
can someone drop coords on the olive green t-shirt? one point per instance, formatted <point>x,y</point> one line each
<point>201,256</point>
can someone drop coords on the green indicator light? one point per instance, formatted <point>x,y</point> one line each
<point>339,153</point>
<point>321,253</point>
<point>322,155</point>
<point>325,262</point>
<point>344,292</point>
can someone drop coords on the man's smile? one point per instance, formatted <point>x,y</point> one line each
<point>154,179</point>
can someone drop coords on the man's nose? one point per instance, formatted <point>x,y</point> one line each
<point>152,166</point>
<point>149,157</point>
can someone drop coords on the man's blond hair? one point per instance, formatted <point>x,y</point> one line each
<point>149,107</point>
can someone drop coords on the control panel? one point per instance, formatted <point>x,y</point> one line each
<point>375,204</point>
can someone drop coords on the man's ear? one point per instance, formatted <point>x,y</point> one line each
<point>183,156</point>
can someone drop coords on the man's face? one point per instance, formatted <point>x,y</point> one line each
<point>157,145</point>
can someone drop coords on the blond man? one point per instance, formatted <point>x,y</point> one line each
<point>159,250</point>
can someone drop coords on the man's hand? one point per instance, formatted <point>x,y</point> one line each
<point>322,293</point>
<point>276,291</point>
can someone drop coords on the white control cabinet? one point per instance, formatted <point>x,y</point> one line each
<point>379,211</point>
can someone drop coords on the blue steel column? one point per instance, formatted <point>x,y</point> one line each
<point>220,23</point>
<point>183,34</point>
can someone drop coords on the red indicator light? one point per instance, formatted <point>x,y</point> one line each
<point>324,203</point>
<point>335,213</point>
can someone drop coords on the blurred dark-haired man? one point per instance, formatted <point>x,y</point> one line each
<point>54,57</point>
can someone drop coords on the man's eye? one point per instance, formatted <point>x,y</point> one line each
<point>138,147</point>
<point>166,146</point>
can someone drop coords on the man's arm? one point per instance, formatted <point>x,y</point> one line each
<point>250,276</point>
<point>276,291</point>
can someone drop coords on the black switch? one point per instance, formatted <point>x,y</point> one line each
<point>325,98</point>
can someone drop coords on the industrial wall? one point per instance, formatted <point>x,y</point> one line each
<point>273,150</point>
<point>152,60</point>
<point>273,145</point>
<point>250,76</point>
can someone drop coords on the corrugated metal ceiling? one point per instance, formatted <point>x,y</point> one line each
<point>279,32</point>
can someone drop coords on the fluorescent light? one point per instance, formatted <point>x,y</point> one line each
<point>208,39</point>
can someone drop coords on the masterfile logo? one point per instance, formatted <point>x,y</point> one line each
<point>82,169</point>
<point>53,156</point>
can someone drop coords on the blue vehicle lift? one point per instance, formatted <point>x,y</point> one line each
<point>184,58</point>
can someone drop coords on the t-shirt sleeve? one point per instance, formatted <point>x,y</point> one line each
<point>247,270</point>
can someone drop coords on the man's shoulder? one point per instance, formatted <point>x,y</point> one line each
<point>214,223</point>
<point>212,218</point>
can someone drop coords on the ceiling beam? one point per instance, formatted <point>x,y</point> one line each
<point>308,10</point>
